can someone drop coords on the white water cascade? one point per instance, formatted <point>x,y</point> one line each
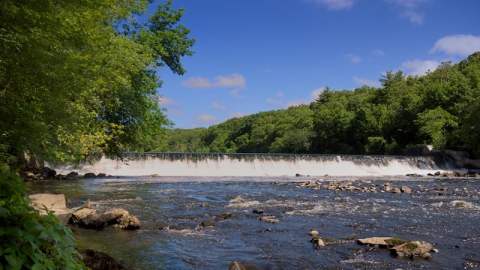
<point>197,164</point>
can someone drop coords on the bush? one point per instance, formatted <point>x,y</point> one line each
<point>28,240</point>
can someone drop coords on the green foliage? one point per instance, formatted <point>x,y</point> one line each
<point>441,108</point>
<point>287,130</point>
<point>28,240</point>
<point>434,125</point>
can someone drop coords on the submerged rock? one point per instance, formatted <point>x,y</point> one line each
<point>96,260</point>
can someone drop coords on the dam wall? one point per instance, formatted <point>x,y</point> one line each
<point>219,164</point>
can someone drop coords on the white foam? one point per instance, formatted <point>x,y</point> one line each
<point>228,165</point>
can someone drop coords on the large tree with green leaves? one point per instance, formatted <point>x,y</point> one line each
<point>78,78</point>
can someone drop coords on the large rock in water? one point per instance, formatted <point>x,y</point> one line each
<point>56,203</point>
<point>413,249</point>
<point>88,218</point>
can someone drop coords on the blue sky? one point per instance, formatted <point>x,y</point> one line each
<point>258,55</point>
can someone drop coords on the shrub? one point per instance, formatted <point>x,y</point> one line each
<point>28,240</point>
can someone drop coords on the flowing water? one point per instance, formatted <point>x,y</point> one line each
<point>431,213</point>
<point>200,164</point>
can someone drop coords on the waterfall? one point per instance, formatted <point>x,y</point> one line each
<point>219,164</point>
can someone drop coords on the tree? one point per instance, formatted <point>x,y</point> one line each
<point>74,86</point>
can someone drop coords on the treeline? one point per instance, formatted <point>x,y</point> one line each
<point>441,109</point>
<point>78,80</point>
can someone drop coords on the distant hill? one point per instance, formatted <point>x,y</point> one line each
<point>441,108</point>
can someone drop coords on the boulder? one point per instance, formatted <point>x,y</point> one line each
<point>71,175</point>
<point>396,190</point>
<point>406,189</point>
<point>48,173</point>
<point>56,203</point>
<point>89,175</point>
<point>88,218</point>
<point>101,175</point>
<point>413,249</point>
<point>381,241</point>
<point>96,260</point>
<point>44,203</point>
<point>120,218</point>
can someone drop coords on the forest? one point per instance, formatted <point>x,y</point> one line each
<point>441,108</point>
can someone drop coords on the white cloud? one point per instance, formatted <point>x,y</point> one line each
<point>336,4</point>
<point>461,45</point>
<point>410,9</point>
<point>365,82</point>
<point>217,105</point>
<point>206,119</point>
<point>230,81</point>
<point>315,93</point>
<point>164,101</point>
<point>419,67</point>
<point>378,52</point>
<point>355,59</point>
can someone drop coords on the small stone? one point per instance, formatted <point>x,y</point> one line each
<point>318,242</point>
<point>314,233</point>
<point>257,211</point>
<point>406,189</point>
<point>269,219</point>
<point>396,190</point>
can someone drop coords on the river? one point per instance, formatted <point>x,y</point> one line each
<point>429,213</point>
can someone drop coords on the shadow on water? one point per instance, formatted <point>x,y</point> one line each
<point>428,214</point>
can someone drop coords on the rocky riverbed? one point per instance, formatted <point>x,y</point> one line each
<point>273,223</point>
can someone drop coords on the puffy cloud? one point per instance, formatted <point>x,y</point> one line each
<point>355,59</point>
<point>335,4</point>
<point>410,9</point>
<point>419,67</point>
<point>206,119</point>
<point>378,52</point>
<point>164,101</point>
<point>365,82</point>
<point>230,81</point>
<point>461,45</point>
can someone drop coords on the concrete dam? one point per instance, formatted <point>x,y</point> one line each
<point>247,164</point>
